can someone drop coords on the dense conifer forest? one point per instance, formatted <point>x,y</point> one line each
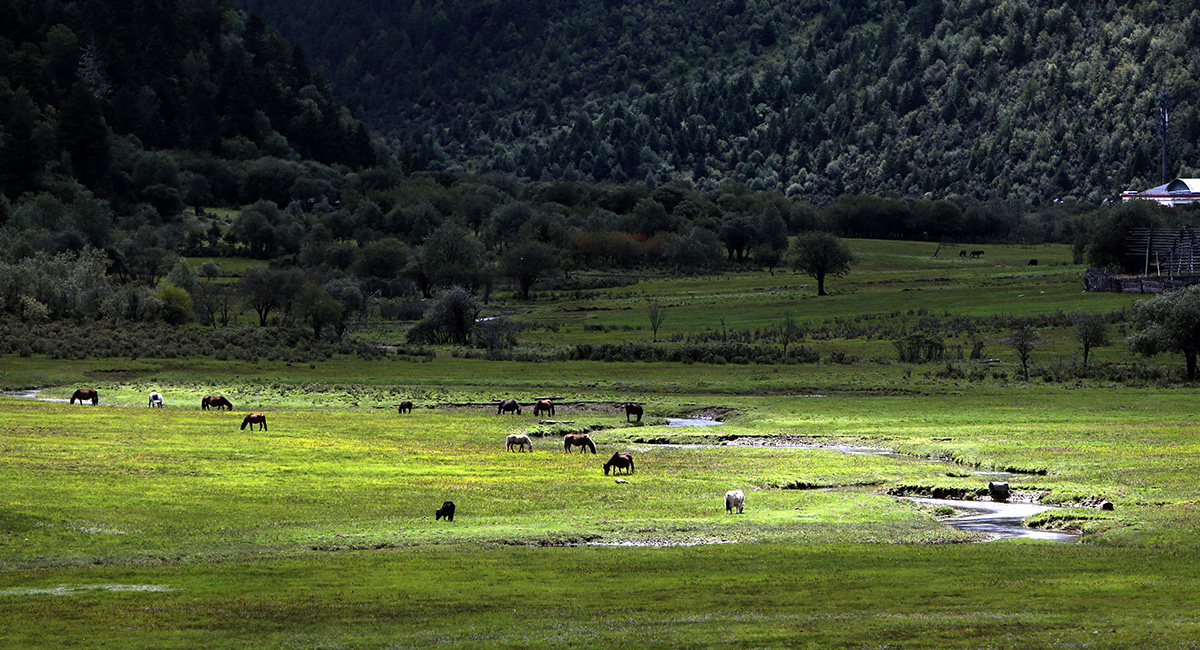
<point>593,140</point>
<point>1028,100</point>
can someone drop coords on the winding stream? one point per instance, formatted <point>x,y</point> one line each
<point>996,519</point>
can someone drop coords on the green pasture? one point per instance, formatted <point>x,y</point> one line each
<point>893,280</point>
<point>135,527</point>
<point>123,526</point>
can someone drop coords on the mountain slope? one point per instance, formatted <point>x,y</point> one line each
<point>1023,100</point>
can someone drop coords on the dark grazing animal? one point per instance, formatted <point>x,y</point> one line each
<point>217,402</point>
<point>543,406</point>
<point>975,254</point>
<point>508,406</point>
<point>619,461</point>
<point>86,395</point>
<point>406,407</point>
<point>155,400</point>
<point>578,440</point>
<point>1033,262</point>
<point>253,419</point>
<point>631,410</point>
<point>962,253</point>
<point>447,511</point>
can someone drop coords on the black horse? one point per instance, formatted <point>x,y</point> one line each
<point>406,407</point>
<point>86,395</point>
<point>508,406</point>
<point>619,461</point>
<point>447,511</point>
<point>631,410</point>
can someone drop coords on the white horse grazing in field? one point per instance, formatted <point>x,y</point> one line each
<point>155,400</point>
<point>734,499</point>
<point>518,440</point>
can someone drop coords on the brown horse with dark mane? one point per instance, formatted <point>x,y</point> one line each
<point>406,407</point>
<point>632,409</point>
<point>578,440</point>
<point>543,406</point>
<point>218,402</point>
<point>253,419</point>
<point>86,395</point>
<point>619,461</point>
<point>509,406</point>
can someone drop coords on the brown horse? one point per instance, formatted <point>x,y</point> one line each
<point>253,419</point>
<point>543,406</point>
<point>632,409</point>
<point>218,402</point>
<point>619,461</point>
<point>578,440</point>
<point>509,406</point>
<point>86,395</point>
<point>406,407</point>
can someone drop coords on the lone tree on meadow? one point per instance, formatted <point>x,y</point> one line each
<point>1169,323</point>
<point>1091,331</point>
<point>657,315</point>
<point>820,254</point>
<point>1023,340</point>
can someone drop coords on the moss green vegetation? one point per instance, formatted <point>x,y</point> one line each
<point>128,527</point>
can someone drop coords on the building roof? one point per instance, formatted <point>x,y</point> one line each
<point>1180,191</point>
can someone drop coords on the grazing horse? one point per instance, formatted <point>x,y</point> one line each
<point>508,406</point>
<point>447,511</point>
<point>962,253</point>
<point>518,440</point>
<point>155,400</point>
<point>543,406</point>
<point>253,419</point>
<point>1033,262</point>
<point>86,395</point>
<point>219,402</point>
<point>632,409</point>
<point>734,499</point>
<point>619,461</point>
<point>406,407</point>
<point>975,254</point>
<point>578,440</point>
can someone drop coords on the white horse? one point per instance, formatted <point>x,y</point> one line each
<point>734,499</point>
<point>155,400</point>
<point>518,440</point>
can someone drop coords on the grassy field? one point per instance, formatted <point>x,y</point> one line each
<point>128,527</point>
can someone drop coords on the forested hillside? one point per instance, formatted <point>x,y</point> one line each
<point>160,104</point>
<point>1027,100</point>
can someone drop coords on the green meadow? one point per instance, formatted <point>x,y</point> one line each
<point>123,526</point>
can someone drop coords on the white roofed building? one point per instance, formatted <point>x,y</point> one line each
<point>1181,191</point>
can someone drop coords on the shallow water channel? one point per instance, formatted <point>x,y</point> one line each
<point>996,519</point>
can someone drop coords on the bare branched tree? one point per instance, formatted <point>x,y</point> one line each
<point>657,314</point>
